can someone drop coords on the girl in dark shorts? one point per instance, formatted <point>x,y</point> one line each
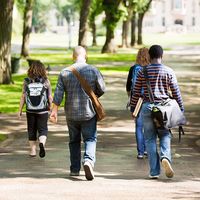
<point>37,96</point>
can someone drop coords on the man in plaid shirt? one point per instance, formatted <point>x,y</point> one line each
<point>80,113</point>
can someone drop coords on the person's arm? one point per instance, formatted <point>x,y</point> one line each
<point>58,96</point>
<point>54,114</point>
<point>100,85</point>
<point>129,82</point>
<point>176,94</point>
<point>136,91</point>
<point>50,98</point>
<point>22,102</point>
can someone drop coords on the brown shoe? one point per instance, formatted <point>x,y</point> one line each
<point>169,172</point>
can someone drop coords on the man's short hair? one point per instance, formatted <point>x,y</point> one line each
<point>155,51</point>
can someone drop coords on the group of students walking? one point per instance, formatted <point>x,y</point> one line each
<point>81,116</point>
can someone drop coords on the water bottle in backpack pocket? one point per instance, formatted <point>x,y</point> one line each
<point>36,95</point>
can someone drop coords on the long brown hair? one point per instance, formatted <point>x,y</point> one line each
<point>143,58</point>
<point>37,70</point>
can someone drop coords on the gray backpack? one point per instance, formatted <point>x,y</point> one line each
<point>36,95</point>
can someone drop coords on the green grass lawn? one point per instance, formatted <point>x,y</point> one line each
<point>2,137</point>
<point>59,57</point>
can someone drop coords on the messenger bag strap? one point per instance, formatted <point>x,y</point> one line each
<point>151,97</point>
<point>87,88</point>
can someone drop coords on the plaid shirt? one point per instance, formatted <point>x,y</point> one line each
<point>78,105</point>
<point>162,79</point>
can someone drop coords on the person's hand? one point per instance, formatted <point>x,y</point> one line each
<point>53,117</point>
<point>19,115</point>
<point>133,116</point>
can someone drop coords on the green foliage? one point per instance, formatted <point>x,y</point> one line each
<point>113,13</point>
<point>67,7</point>
<point>95,9</point>
<point>143,5</point>
<point>2,137</point>
<point>40,11</point>
<point>20,6</point>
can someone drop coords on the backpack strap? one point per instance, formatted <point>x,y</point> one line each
<point>151,97</point>
<point>27,80</point>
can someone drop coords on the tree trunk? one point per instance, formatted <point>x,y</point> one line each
<point>6,10</point>
<point>94,41</point>
<point>28,13</point>
<point>82,40</point>
<point>140,20</point>
<point>133,26</point>
<point>109,46</point>
<point>111,9</point>
<point>125,30</point>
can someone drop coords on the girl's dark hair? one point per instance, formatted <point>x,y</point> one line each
<point>155,51</point>
<point>37,70</point>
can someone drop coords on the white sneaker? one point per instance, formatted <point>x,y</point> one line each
<point>169,172</point>
<point>154,177</point>
<point>89,174</point>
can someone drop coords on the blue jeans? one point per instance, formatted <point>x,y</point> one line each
<point>150,134</point>
<point>86,129</point>
<point>140,135</point>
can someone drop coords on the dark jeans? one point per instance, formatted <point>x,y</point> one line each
<point>37,123</point>
<point>86,129</point>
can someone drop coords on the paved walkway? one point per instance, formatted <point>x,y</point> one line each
<point>118,174</point>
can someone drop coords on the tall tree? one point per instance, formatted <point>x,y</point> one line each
<point>6,10</point>
<point>133,27</point>
<point>96,9</point>
<point>67,12</point>
<point>143,7</point>
<point>28,13</point>
<point>84,13</point>
<point>113,14</point>
<point>128,6</point>
<point>68,9</point>
<point>133,22</point>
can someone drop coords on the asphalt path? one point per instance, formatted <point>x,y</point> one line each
<point>118,174</point>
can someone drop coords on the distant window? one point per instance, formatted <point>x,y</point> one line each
<point>177,4</point>
<point>163,21</point>
<point>193,21</point>
<point>60,21</point>
<point>178,21</point>
<point>148,24</point>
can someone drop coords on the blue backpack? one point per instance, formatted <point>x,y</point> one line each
<point>136,68</point>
